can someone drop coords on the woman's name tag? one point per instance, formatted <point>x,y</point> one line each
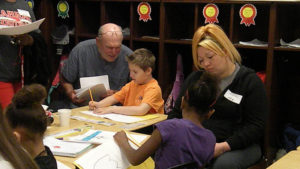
<point>235,98</point>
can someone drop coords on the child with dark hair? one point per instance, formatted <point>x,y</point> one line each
<point>12,155</point>
<point>179,141</point>
<point>28,120</point>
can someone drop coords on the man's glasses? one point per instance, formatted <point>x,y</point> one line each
<point>111,33</point>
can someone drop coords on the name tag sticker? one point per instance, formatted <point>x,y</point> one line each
<point>23,12</point>
<point>235,98</point>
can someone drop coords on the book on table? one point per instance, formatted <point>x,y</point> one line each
<point>63,148</point>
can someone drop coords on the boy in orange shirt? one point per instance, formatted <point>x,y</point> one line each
<point>140,96</point>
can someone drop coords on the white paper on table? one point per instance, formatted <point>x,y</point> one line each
<point>18,30</point>
<point>115,117</point>
<point>103,136</point>
<point>86,82</point>
<point>106,155</point>
<point>60,165</point>
<point>92,136</point>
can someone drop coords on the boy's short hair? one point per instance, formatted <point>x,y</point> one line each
<point>143,58</point>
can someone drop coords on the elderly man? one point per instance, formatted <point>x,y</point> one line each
<point>104,55</point>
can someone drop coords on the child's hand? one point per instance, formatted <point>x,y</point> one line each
<point>104,110</point>
<point>92,105</point>
<point>121,138</point>
<point>221,148</point>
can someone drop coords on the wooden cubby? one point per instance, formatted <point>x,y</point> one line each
<point>87,19</point>
<point>170,32</point>
<point>244,33</point>
<point>223,17</point>
<point>142,30</point>
<point>177,15</point>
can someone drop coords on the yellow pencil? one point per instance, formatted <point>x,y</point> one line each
<point>132,139</point>
<point>91,95</point>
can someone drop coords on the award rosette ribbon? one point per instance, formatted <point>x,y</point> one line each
<point>144,10</point>
<point>210,13</point>
<point>30,3</point>
<point>248,13</point>
<point>63,9</point>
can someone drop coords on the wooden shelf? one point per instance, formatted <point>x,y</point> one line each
<point>184,42</point>
<point>287,49</point>
<point>86,35</point>
<point>146,39</point>
<point>126,38</point>
<point>251,47</point>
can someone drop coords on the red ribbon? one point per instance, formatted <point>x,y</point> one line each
<point>211,19</point>
<point>248,20</point>
<point>144,16</point>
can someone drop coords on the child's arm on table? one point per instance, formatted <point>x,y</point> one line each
<point>140,110</point>
<point>108,101</point>
<point>136,157</point>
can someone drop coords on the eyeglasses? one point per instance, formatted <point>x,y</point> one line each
<point>111,33</point>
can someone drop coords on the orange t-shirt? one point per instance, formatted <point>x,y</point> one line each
<point>133,94</point>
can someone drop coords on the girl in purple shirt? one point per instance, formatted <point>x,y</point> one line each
<point>179,141</point>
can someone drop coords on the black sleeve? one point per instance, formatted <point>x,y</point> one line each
<point>254,107</point>
<point>36,61</point>
<point>176,111</point>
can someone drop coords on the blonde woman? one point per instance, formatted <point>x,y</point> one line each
<point>241,105</point>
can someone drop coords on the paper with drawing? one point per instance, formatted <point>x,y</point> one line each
<point>106,155</point>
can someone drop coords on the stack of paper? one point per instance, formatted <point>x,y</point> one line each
<point>86,82</point>
<point>254,42</point>
<point>295,43</point>
<point>97,91</point>
<point>122,118</point>
<point>62,148</point>
<point>97,84</point>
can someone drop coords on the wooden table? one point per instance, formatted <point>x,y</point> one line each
<point>116,127</point>
<point>289,161</point>
<point>55,128</point>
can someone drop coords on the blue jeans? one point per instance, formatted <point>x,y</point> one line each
<point>238,159</point>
